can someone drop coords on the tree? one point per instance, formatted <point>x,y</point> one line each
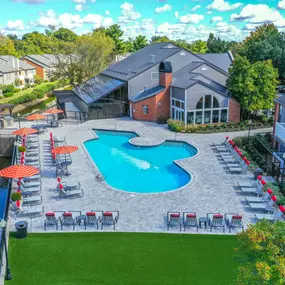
<point>139,43</point>
<point>115,33</point>
<point>216,45</point>
<point>90,55</point>
<point>198,46</point>
<point>183,44</point>
<point>253,85</point>
<point>159,39</point>
<point>261,254</point>
<point>129,45</point>
<point>7,46</point>
<point>65,35</point>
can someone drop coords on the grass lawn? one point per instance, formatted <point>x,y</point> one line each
<point>16,95</point>
<point>122,259</point>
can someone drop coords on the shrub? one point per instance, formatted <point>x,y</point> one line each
<point>8,94</point>
<point>264,120</point>
<point>16,196</point>
<point>17,82</point>
<point>8,89</point>
<point>271,120</point>
<point>17,90</point>
<point>38,80</point>
<point>175,126</point>
<point>22,148</point>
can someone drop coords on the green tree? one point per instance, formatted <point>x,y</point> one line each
<point>261,254</point>
<point>65,35</point>
<point>115,33</point>
<point>7,46</point>
<point>139,43</point>
<point>159,39</point>
<point>216,45</point>
<point>198,46</point>
<point>129,45</point>
<point>183,44</point>
<point>91,54</point>
<point>253,85</point>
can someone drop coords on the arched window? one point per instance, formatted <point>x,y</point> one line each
<point>208,102</point>
<point>200,104</point>
<point>215,102</point>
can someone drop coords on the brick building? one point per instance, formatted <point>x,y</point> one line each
<point>158,82</point>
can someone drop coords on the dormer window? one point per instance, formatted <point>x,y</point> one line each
<point>204,68</point>
<point>183,53</point>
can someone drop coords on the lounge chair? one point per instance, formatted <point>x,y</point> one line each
<point>110,218</point>
<point>30,184</point>
<point>267,207</point>
<point>29,158</point>
<point>263,199</point>
<point>31,212</point>
<point>276,215</point>
<point>30,191</point>
<point>51,220</point>
<point>216,220</point>
<point>238,169</point>
<point>249,184</point>
<point>71,193</point>
<point>190,220</point>
<point>252,190</point>
<point>67,220</point>
<point>92,219</point>
<point>32,163</point>
<point>32,200</point>
<point>69,187</point>
<point>32,178</point>
<point>233,221</point>
<point>173,220</point>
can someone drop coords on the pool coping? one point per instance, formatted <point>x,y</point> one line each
<point>178,162</point>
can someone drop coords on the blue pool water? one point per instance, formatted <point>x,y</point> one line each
<point>139,169</point>
<point>3,198</point>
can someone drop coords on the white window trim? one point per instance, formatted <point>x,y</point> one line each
<point>154,73</point>
<point>143,107</point>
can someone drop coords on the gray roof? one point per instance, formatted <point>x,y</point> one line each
<point>97,87</point>
<point>141,60</point>
<point>12,60</point>
<point>44,60</point>
<point>148,93</point>
<point>221,60</point>
<point>6,67</point>
<point>280,99</point>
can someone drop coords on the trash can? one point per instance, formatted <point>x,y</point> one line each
<point>258,171</point>
<point>21,229</point>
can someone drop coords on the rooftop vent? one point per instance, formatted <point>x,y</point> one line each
<point>152,58</point>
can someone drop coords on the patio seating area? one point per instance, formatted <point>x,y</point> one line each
<point>70,181</point>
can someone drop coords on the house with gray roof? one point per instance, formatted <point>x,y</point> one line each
<point>158,82</point>
<point>12,69</point>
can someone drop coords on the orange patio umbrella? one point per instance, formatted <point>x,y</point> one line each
<point>25,131</point>
<point>35,117</point>
<point>53,111</point>
<point>18,171</point>
<point>65,149</point>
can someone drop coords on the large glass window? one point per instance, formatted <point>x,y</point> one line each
<point>208,102</point>
<point>224,115</point>
<point>216,115</point>
<point>200,104</point>
<point>190,117</point>
<point>215,103</point>
<point>207,117</point>
<point>199,115</point>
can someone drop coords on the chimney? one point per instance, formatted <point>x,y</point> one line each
<point>165,74</point>
<point>152,58</point>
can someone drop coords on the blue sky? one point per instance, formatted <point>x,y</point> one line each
<point>186,19</point>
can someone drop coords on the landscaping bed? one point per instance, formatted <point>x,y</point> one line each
<point>122,259</point>
<point>178,126</point>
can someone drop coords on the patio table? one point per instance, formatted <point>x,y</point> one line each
<point>203,220</point>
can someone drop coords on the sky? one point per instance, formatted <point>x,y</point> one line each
<point>178,19</point>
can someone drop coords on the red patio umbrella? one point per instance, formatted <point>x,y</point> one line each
<point>35,117</point>
<point>18,171</point>
<point>25,131</point>
<point>53,111</point>
<point>65,149</point>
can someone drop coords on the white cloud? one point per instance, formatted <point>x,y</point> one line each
<point>107,22</point>
<point>162,9</point>
<point>260,13</point>
<point>17,25</point>
<point>196,8</point>
<point>191,18</point>
<point>79,1</point>
<point>281,5</point>
<point>92,19</point>
<point>128,13</point>
<point>216,19</point>
<point>107,12</point>
<point>30,1</point>
<point>176,14</point>
<point>222,5</point>
<point>209,12</point>
<point>92,1</point>
<point>70,21</point>
<point>79,8</point>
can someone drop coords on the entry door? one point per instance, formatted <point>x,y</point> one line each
<point>178,115</point>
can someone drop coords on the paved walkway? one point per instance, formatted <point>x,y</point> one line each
<point>211,189</point>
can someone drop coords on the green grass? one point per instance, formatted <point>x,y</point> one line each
<point>16,95</point>
<point>122,259</point>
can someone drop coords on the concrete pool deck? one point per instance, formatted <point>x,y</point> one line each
<point>212,188</point>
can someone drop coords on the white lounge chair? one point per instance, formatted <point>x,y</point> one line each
<point>265,198</point>
<point>32,200</point>
<point>267,207</point>
<point>276,215</point>
<point>30,211</point>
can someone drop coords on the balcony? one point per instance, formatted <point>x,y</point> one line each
<point>280,131</point>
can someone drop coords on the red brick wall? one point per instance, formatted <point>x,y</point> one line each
<point>234,111</point>
<point>158,105</point>
<point>39,70</point>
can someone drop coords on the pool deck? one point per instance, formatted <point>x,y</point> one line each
<point>212,188</point>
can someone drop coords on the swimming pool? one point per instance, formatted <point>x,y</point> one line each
<point>139,169</point>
